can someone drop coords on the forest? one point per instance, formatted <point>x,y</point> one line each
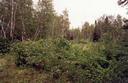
<point>38,46</point>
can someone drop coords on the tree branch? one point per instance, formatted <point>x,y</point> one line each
<point>120,2</point>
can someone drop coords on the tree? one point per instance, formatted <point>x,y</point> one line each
<point>122,56</point>
<point>96,34</point>
<point>44,18</point>
<point>87,31</point>
<point>7,17</point>
<point>23,19</point>
<point>65,22</point>
<point>75,33</point>
<point>108,25</point>
<point>60,25</point>
<point>16,18</point>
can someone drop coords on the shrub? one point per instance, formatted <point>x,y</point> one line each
<point>4,45</point>
<point>62,59</point>
<point>31,53</point>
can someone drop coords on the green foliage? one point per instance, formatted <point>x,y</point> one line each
<point>74,62</point>
<point>121,68</point>
<point>106,38</point>
<point>4,45</point>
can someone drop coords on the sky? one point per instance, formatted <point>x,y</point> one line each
<point>81,11</point>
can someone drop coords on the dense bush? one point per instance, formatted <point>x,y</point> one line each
<point>62,59</point>
<point>4,45</point>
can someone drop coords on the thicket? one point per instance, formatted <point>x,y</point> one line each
<point>4,45</point>
<point>64,60</point>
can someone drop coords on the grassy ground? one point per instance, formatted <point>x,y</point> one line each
<point>9,73</point>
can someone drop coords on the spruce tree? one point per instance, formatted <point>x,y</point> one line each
<point>122,56</point>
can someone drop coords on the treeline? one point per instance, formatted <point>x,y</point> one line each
<point>106,26</point>
<point>23,20</point>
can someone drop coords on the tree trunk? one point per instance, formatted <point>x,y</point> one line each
<point>3,31</point>
<point>2,27</point>
<point>23,32</point>
<point>37,30</point>
<point>36,34</point>
<point>12,20</point>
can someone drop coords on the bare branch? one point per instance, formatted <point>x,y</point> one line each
<point>122,2</point>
